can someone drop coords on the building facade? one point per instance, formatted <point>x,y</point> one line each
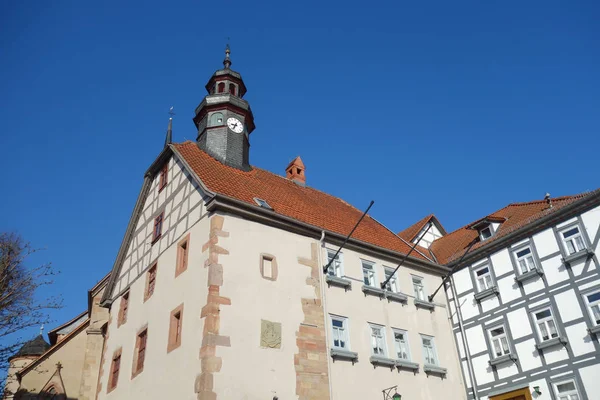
<point>525,299</point>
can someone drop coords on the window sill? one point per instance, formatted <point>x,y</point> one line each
<point>373,291</point>
<point>398,297</point>
<point>434,369</point>
<point>339,282</point>
<point>529,275</point>
<point>493,291</point>
<point>344,355</point>
<point>585,253</point>
<point>594,330</point>
<point>382,361</point>
<point>503,359</point>
<point>405,364</point>
<point>551,343</point>
<point>424,304</point>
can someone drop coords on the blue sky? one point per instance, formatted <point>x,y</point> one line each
<point>455,108</point>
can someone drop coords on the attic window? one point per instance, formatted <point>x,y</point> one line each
<point>486,233</point>
<point>263,203</point>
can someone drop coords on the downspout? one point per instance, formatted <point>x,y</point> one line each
<point>464,340</point>
<point>325,327</point>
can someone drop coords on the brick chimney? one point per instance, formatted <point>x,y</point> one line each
<point>295,171</point>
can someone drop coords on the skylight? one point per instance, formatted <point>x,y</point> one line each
<point>262,203</point>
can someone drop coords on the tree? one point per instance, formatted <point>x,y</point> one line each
<point>19,306</point>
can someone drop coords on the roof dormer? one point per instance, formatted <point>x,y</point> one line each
<point>487,227</point>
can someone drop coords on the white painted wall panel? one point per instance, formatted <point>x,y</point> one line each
<point>476,339</point>
<point>555,354</point>
<point>545,243</point>
<point>528,355</point>
<point>577,267</point>
<point>589,377</point>
<point>591,221</point>
<point>554,270</point>
<point>466,373</point>
<point>468,307</point>
<point>568,305</point>
<point>589,285</point>
<point>462,281</point>
<point>533,285</point>
<point>459,343</point>
<point>579,339</point>
<point>544,388</point>
<point>490,303</point>
<point>506,370</point>
<point>501,262</point>
<point>565,223</point>
<point>482,369</point>
<point>519,323</point>
<point>509,289</point>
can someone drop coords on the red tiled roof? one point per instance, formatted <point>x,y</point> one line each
<point>304,204</point>
<point>409,233</point>
<point>515,216</point>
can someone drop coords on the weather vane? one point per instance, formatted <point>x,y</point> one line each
<point>171,112</point>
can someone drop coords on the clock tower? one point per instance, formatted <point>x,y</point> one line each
<point>224,119</point>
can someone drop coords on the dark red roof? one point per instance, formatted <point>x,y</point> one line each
<point>512,217</point>
<point>301,203</point>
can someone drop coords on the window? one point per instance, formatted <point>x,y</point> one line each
<point>499,341</point>
<point>221,87</point>
<point>485,233</point>
<point>418,288</point>
<point>123,309</point>
<point>378,340</point>
<point>268,267</point>
<point>593,300</point>
<point>429,350</point>
<point>484,278</point>
<point>216,119</point>
<point>232,89</point>
<point>525,260</point>
<point>164,175</point>
<point>566,390</point>
<point>368,273</point>
<point>140,352</point>
<point>339,327</point>
<point>335,268</point>
<point>392,285</point>
<point>545,324</point>
<point>115,366</point>
<point>150,281</point>
<point>158,223</point>
<point>182,255</point>
<point>262,203</point>
<point>175,325</point>
<point>573,240</point>
<point>401,345</point>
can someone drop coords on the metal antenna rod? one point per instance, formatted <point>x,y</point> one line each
<point>347,237</point>
<point>430,297</point>
<point>405,257</point>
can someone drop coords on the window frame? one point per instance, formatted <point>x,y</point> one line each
<point>141,345</point>
<point>578,234</point>
<point>115,361</point>
<point>406,342</point>
<point>433,350</point>
<point>175,329</point>
<point>490,228</point>
<point>159,221</point>
<point>544,320</point>
<point>370,267</point>
<point>492,338</point>
<point>393,282</point>
<point>123,308</point>
<point>383,339</point>
<point>589,305</point>
<point>163,177</point>
<point>481,267</point>
<point>518,259</point>
<point>346,329</point>
<point>422,284</point>
<point>568,395</point>
<point>150,286</point>
<point>182,259</point>
<point>340,268</point>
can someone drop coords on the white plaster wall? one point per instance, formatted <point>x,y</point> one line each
<point>589,377</point>
<point>545,243</point>
<point>361,309</point>
<point>568,305</point>
<point>519,323</point>
<point>533,285</point>
<point>555,354</point>
<point>529,356</point>
<point>554,270</point>
<point>544,388</point>
<point>509,289</point>
<point>476,339</point>
<point>565,223</point>
<point>483,372</point>
<point>432,234</point>
<point>501,262</point>
<point>462,281</point>
<point>459,343</point>
<point>591,221</point>
<point>579,339</point>
<point>489,303</point>
<point>577,267</point>
<point>468,306</point>
<point>506,370</point>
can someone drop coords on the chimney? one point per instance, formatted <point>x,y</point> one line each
<point>295,172</point>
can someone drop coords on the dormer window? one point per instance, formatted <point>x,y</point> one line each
<point>486,233</point>
<point>263,203</point>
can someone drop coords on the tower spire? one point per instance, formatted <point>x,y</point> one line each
<point>169,138</point>
<point>227,61</point>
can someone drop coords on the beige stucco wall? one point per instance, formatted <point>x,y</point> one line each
<point>12,383</point>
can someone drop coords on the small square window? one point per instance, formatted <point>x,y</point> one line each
<point>401,345</point>
<point>485,233</point>
<point>546,326</point>
<point>593,302</point>
<point>429,352</point>
<point>335,268</point>
<point>378,347</point>
<point>262,203</point>
<point>182,255</point>
<point>499,341</point>
<point>164,177</point>
<point>339,328</point>
<point>484,278</point>
<point>418,288</point>
<point>573,240</point>
<point>150,281</point>
<point>566,390</point>
<point>175,329</point>
<point>392,284</point>
<point>368,269</point>
<point>158,224</point>
<point>268,267</point>
<point>525,260</point>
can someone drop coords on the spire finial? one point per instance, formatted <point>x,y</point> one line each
<point>42,330</point>
<point>227,61</point>
<point>169,138</point>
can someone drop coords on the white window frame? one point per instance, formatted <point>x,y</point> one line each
<point>431,351</point>
<point>568,395</point>
<point>398,346</point>
<point>392,285</point>
<point>344,328</point>
<point>593,304</point>
<point>527,259</point>
<point>572,239</point>
<point>488,274</point>
<point>422,285</point>
<point>499,338</point>
<point>336,270</point>
<point>491,229</point>
<point>369,267</point>
<point>547,325</point>
<point>381,340</point>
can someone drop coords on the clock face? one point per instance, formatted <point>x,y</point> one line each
<point>235,125</point>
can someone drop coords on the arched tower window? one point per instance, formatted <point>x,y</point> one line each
<point>232,89</point>
<point>221,87</point>
<point>216,119</point>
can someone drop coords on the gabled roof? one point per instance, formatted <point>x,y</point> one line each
<point>300,203</point>
<point>412,231</point>
<point>512,218</point>
<point>67,327</point>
